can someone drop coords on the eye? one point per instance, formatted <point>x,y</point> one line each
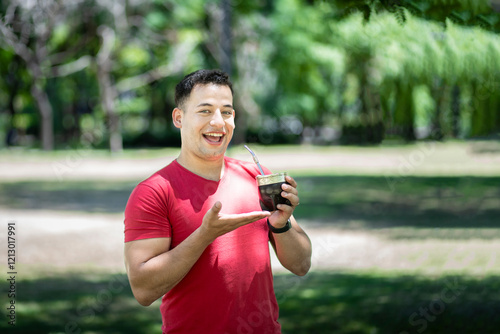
<point>227,113</point>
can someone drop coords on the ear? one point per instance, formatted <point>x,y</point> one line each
<point>177,117</point>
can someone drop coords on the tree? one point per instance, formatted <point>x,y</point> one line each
<point>27,28</point>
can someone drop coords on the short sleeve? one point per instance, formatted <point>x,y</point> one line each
<point>146,215</point>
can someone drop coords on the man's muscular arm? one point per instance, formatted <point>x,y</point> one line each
<point>153,268</point>
<point>293,247</point>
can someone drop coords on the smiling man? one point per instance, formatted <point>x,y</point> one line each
<point>195,234</point>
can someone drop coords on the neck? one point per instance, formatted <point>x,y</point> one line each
<point>208,169</point>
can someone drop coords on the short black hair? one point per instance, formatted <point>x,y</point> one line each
<point>200,77</point>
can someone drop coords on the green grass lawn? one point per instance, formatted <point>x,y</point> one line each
<point>427,209</point>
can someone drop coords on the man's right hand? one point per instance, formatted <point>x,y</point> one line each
<point>215,224</point>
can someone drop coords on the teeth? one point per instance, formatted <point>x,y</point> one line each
<point>215,134</point>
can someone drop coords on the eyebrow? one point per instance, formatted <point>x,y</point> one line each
<point>211,105</point>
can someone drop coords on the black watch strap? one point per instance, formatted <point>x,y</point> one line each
<point>283,229</point>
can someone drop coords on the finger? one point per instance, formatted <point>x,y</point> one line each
<point>248,215</point>
<point>287,209</point>
<point>290,189</point>
<point>214,210</point>
<point>290,180</point>
<point>245,218</point>
<point>293,198</point>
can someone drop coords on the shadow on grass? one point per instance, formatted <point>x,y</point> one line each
<point>75,304</point>
<point>87,196</point>
<point>324,302</point>
<point>380,202</point>
<point>346,303</point>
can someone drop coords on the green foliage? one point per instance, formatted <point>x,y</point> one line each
<point>156,20</point>
<point>134,55</point>
<point>358,66</point>
<point>480,13</point>
<point>309,67</point>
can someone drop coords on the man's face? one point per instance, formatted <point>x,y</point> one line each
<point>206,121</point>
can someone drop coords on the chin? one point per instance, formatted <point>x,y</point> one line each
<point>213,154</point>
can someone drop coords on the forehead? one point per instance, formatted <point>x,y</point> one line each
<point>210,94</point>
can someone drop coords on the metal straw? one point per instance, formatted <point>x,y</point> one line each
<point>255,159</point>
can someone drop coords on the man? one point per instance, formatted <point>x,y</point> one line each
<point>194,230</point>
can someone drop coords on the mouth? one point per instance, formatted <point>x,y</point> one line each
<point>214,137</point>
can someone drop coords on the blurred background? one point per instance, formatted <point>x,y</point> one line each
<point>386,112</point>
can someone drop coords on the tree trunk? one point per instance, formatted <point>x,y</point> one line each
<point>241,117</point>
<point>107,89</point>
<point>46,112</point>
<point>404,112</point>
<point>495,109</point>
<point>366,121</point>
<point>478,122</point>
<point>108,105</point>
<point>225,38</point>
<point>372,117</point>
<point>115,136</point>
<point>14,83</point>
<point>439,93</point>
<point>455,111</point>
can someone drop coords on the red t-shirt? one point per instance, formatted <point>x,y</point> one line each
<point>230,287</point>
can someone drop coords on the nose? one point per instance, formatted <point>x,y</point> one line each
<point>217,119</point>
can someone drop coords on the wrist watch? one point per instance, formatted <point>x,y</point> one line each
<point>283,229</point>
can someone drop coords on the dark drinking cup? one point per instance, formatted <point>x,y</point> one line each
<point>270,190</point>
